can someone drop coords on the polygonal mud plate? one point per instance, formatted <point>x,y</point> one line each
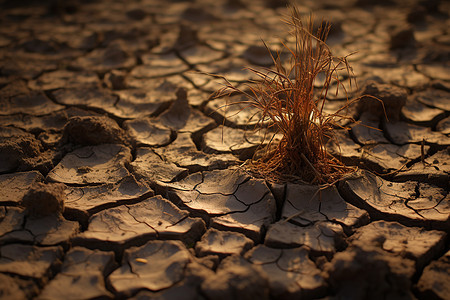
<point>444,126</point>
<point>343,147</point>
<point>434,98</point>
<point>157,90</point>
<point>206,83</point>
<point>434,280</point>
<point>402,133</point>
<point>322,237</point>
<point>231,199</point>
<point>106,59</point>
<point>410,203</point>
<point>64,79</point>
<point>46,231</point>
<point>93,164</point>
<point>235,111</point>
<point>355,271</point>
<point>51,123</point>
<point>152,167</point>
<point>148,132</point>
<point>222,243</point>
<point>155,65</point>
<point>259,55</point>
<point>404,76</point>
<point>127,225</point>
<point>306,204</point>
<point>27,67</point>
<point>88,97</point>
<point>164,87</point>
<point>291,274</point>
<point>184,153</point>
<point>366,131</point>
<point>200,54</point>
<point>413,243</point>
<point>13,287</point>
<point>188,288</point>
<point>139,103</point>
<point>385,157</point>
<point>182,118</point>
<point>155,266</point>
<point>435,71</point>
<point>421,114</point>
<point>434,170</point>
<point>14,186</point>
<point>233,69</point>
<point>82,276</point>
<point>36,104</point>
<point>82,202</point>
<point>236,276</point>
<point>232,140</point>
<point>30,261</point>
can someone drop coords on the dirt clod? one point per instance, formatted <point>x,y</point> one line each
<point>44,199</point>
<point>94,130</point>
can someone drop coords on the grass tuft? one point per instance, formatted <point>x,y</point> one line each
<point>293,108</point>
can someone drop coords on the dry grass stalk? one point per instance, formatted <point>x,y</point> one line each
<point>286,98</point>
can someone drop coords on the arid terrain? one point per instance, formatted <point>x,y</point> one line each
<point>121,177</point>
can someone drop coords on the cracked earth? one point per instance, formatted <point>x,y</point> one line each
<point>120,177</point>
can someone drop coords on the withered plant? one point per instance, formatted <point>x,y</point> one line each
<point>288,101</point>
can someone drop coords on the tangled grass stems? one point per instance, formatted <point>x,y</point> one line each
<point>286,98</point>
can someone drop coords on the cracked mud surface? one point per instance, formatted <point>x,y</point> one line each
<point>120,177</point>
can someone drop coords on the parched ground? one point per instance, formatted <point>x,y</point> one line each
<point>120,178</point>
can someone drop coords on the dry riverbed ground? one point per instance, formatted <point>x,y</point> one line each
<point>119,178</point>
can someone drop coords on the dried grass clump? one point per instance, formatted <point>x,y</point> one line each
<point>287,100</point>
